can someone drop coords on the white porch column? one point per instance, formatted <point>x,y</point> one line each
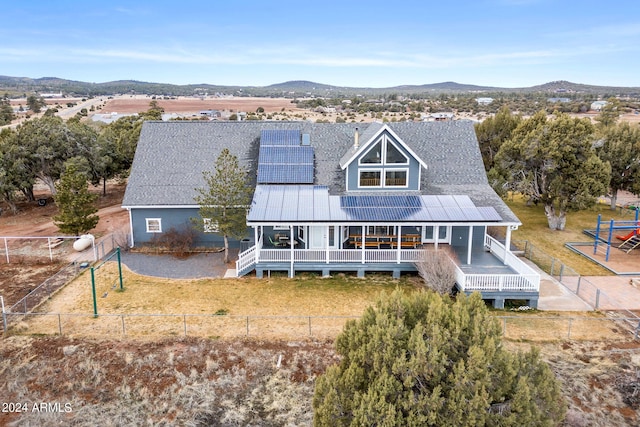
<point>398,255</point>
<point>436,235</point>
<point>291,249</point>
<point>256,239</point>
<point>362,243</point>
<point>326,241</point>
<point>470,244</point>
<point>507,244</point>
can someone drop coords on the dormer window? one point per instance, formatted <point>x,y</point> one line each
<point>385,150</point>
<point>383,163</point>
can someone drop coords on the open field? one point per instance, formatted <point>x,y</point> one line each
<point>217,382</point>
<point>137,103</point>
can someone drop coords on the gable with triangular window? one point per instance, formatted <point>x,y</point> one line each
<point>384,162</point>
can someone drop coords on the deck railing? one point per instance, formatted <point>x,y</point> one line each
<point>340,255</point>
<point>246,260</point>
<point>525,278</point>
<point>498,282</point>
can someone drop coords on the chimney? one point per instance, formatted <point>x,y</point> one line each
<point>356,140</point>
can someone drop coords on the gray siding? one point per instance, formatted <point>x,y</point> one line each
<point>174,218</point>
<point>460,236</point>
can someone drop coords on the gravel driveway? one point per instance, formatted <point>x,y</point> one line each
<point>171,267</point>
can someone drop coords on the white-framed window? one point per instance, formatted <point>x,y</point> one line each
<point>384,152</point>
<point>370,178</point>
<point>381,230</point>
<point>444,233</point>
<point>301,234</point>
<point>154,225</point>
<point>393,155</point>
<point>210,226</point>
<point>396,178</point>
<point>373,155</point>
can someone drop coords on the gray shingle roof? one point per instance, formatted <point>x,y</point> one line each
<point>171,156</point>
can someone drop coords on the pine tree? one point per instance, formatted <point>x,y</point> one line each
<point>75,203</point>
<point>422,360</point>
<point>224,200</point>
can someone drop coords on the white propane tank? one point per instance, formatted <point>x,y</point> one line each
<point>83,242</point>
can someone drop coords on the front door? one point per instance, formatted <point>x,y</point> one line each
<point>316,237</point>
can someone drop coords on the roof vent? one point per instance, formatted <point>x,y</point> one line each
<point>356,139</point>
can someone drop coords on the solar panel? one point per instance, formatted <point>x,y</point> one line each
<point>285,174</point>
<point>280,137</point>
<point>282,160</point>
<point>296,154</point>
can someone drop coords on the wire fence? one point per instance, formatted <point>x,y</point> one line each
<point>514,327</point>
<point>102,249</point>
<point>20,317</point>
<point>579,285</point>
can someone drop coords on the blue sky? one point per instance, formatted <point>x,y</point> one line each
<point>505,43</point>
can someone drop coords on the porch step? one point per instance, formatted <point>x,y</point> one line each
<point>248,269</point>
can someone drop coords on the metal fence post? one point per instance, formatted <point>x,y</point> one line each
<point>4,315</point>
<point>124,332</point>
<point>597,298</point>
<point>561,272</point>
<point>184,320</point>
<point>59,325</point>
<point>578,286</point>
<point>309,325</point>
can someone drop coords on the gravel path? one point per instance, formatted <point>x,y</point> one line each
<point>171,267</point>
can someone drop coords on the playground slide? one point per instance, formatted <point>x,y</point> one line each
<point>628,236</point>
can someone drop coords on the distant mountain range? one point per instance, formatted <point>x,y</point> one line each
<point>19,86</point>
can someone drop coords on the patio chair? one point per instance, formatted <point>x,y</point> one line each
<point>276,243</point>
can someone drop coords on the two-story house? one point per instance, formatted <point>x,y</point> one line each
<point>339,197</point>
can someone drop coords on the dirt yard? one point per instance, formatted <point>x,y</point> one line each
<point>29,262</point>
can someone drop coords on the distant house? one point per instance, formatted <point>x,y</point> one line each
<point>556,100</point>
<point>438,117</point>
<point>597,105</point>
<point>338,197</point>
<point>484,101</point>
<point>110,117</point>
<point>214,114</point>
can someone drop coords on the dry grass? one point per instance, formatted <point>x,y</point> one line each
<point>305,295</point>
<point>172,382</point>
<point>279,307</point>
<point>200,382</point>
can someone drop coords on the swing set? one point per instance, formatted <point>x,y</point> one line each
<point>626,231</point>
